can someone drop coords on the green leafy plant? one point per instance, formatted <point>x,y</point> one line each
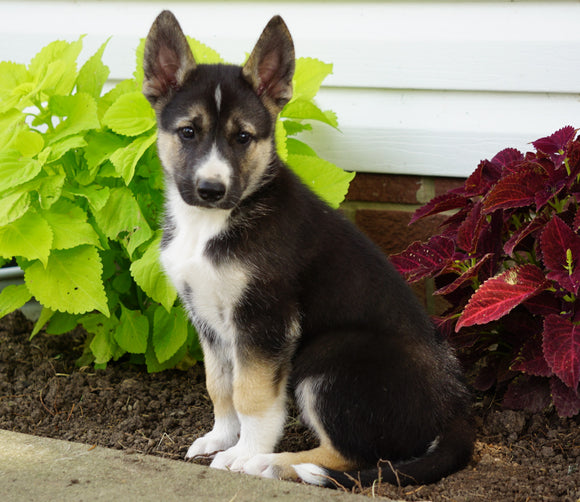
<point>81,191</point>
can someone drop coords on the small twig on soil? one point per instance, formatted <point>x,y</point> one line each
<point>52,413</point>
<point>70,412</point>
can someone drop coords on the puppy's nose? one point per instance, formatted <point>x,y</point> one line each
<point>211,190</point>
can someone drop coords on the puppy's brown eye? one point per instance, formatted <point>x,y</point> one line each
<point>243,138</point>
<point>186,132</point>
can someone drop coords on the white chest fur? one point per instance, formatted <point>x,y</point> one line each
<point>211,292</point>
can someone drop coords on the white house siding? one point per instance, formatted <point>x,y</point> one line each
<point>425,88</point>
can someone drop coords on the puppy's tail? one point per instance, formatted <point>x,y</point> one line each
<point>449,453</point>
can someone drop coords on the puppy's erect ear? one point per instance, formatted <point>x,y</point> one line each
<point>271,65</point>
<point>167,59</point>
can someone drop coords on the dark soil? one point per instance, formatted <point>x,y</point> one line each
<point>519,456</point>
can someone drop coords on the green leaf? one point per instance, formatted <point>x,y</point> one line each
<point>69,226</point>
<point>13,297</point>
<point>293,127</point>
<point>204,54</point>
<point>80,111</point>
<point>132,332</point>
<point>28,143</point>
<point>281,147</point>
<point>103,345</point>
<point>30,237</point>
<point>101,145</point>
<point>11,76</point>
<point>49,189</point>
<point>45,316</point>
<point>96,195</point>
<point>94,73</point>
<point>324,178</point>
<point>125,159</point>
<point>121,213</point>
<point>13,206</point>
<point>54,67</point>
<point>61,322</point>
<point>169,332</point>
<point>149,276</point>
<point>15,86</point>
<point>16,170</point>
<point>59,148</point>
<point>306,110</point>
<point>70,282</point>
<point>130,115</point>
<point>123,87</point>
<point>297,147</point>
<point>308,77</point>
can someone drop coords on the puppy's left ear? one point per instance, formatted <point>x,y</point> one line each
<point>270,67</point>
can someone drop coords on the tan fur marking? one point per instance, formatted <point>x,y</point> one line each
<point>219,384</point>
<point>255,388</point>
<point>324,455</point>
<point>255,165</point>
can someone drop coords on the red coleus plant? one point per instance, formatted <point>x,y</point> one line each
<point>508,261</point>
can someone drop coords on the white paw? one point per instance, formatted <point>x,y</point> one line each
<point>261,465</point>
<point>209,445</point>
<point>232,459</point>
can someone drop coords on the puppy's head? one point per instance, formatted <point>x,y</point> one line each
<point>216,122</point>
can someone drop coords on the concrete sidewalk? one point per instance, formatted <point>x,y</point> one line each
<point>34,468</point>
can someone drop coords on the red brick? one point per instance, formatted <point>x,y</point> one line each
<point>390,230</point>
<point>392,188</point>
<point>443,185</point>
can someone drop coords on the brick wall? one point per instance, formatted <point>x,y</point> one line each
<point>381,205</point>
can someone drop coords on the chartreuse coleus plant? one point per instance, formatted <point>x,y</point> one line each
<point>508,261</point>
<point>81,194</point>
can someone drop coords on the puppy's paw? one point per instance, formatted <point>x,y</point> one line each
<point>262,465</point>
<point>210,444</point>
<point>232,459</point>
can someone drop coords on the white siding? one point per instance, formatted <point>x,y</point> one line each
<point>419,87</point>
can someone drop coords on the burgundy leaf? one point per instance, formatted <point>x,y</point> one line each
<point>543,304</point>
<point>466,276</point>
<point>439,204</point>
<point>531,359</point>
<point>557,181</point>
<point>499,295</point>
<point>560,247</point>
<point>576,222</point>
<point>556,142</point>
<point>468,232</point>
<point>519,235</point>
<point>562,349</point>
<point>515,190</point>
<point>508,158</point>
<point>566,401</point>
<point>528,393</point>
<point>486,174</point>
<point>420,260</point>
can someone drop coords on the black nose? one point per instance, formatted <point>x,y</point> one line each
<point>211,190</point>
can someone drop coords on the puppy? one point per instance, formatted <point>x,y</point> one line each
<point>288,296</point>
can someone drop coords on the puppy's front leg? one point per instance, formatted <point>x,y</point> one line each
<point>260,402</point>
<point>219,382</point>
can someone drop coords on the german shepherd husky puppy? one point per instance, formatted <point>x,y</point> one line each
<point>287,296</point>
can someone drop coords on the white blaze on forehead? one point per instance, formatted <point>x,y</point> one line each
<point>218,97</point>
<point>214,167</point>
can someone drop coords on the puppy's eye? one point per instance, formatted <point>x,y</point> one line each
<point>243,138</point>
<point>186,132</point>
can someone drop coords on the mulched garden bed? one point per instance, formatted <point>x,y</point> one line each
<point>519,456</point>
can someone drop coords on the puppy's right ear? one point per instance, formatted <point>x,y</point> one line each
<point>167,60</point>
